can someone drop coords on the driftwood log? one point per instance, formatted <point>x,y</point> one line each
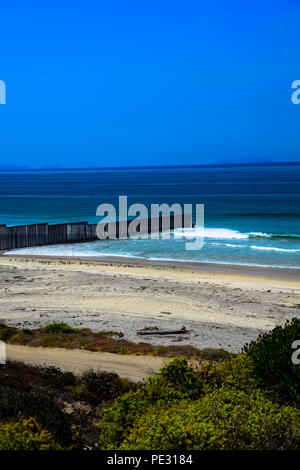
<point>163,332</point>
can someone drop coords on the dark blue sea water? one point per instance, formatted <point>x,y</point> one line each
<point>252,214</point>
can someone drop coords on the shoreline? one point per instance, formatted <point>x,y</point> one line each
<point>215,268</point>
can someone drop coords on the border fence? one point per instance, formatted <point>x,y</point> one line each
<point>22,236</point>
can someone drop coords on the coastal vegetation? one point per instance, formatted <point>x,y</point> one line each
<point>62,335</point>
<point>26,435</point>
<point>220,409</point>
<point>271,354</point>
<point>248,401</point>
<point>68,407</point>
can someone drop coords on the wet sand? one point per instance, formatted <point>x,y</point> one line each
<point>220,305</point>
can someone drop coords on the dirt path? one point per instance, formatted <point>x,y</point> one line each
<point>134,368</point>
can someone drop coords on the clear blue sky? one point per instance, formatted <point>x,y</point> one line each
<point>138,82</point>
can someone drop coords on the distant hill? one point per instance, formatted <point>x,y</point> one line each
<point>14,167</point>
<point>254,162</point>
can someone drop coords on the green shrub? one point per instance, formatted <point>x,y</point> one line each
<point>271,354</point>
<point>238,373</point>
<point>26,331</point>
<point>167,388</point>
<point>26,435</point>
<point>218,408</point>
<point>118,420</point>
<point>6,332</point>
<point>59,328</point>
<point>122,350</point>
<point>179,373</point>
<point>226,419</point>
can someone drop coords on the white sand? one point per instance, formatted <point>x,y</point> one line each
<point>220,309</point>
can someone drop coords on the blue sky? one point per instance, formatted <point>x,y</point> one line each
<point>143,82</point>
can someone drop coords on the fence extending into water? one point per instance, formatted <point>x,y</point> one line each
<point>23,236</point>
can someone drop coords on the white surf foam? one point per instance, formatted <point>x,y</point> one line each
<point>272,248</point>
<point>217,233</point>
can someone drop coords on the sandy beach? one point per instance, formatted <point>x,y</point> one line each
<point>220,306</point>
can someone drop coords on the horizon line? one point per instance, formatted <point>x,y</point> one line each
<point>147,167</point>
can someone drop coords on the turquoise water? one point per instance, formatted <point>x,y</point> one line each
<point>252,214</point>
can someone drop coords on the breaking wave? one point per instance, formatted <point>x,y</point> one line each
<point>230,234</point>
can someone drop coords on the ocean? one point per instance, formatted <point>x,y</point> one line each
<point>252,213</point>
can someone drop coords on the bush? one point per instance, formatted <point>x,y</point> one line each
<point>217,408</point>
<point>55,341</point>
<point>237,373</point>
<point>26,331</point>
<point>212,354</point>
<point>56,377</point>
<point>59,328</point>
<point>179,373</point>
<point>167,388</point>
<point>26,435</point>
<point>226,419</point>
<point>271,354</point>
<point>18,399</point>
<point>98,387</point>
<point>6,332</point>
<point>118,420</point>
